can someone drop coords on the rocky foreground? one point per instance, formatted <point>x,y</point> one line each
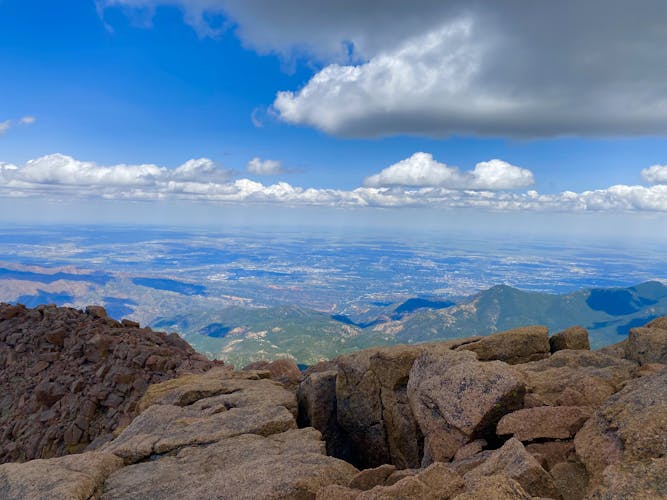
<point>70,378</point>
<point>511,415</point>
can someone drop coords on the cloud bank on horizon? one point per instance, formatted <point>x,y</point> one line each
<point>416,181</point>
<point>511,69</point>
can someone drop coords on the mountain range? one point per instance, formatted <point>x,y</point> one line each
<point>241,335</point>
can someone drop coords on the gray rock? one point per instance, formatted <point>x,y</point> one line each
<point>372,404</point>
<point>239,406</point>
<point>515,462</point>
<point>286,465</point>
<point>544,422</point>
<point>575,378</point>
<point>456,399</point>
<point>630,426</point>
<point>496,487</point>
<point>647,345</point>
<point>436,482</point>
<point>317,408</point>
<point>369,478</point>
<point>284,371</point>
<point>571,479</point>
<point>464,465</point>
<point>520,345</point>
<point>575,337</point>
<point>658,323</point>
<point>642,480</point>
<point>74,477</point>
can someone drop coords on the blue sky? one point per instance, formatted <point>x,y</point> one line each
<point>339,105</point>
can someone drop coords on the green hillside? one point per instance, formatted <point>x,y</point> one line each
<point>241,335</point>
<point>608,314</point>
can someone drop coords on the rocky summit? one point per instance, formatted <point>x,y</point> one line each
<point>69,379</point>
<point>513,415</point>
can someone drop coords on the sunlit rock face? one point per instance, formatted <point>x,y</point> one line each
<point>410,421</point>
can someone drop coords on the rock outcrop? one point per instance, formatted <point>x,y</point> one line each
<point>284,371</point>
<point>204,409</point>
<point>429,421</point>
<point>72,477</point>
<point>372,404</point>
<point>645,480</point>
<point>457,399</point>
<point>436,482</point>
<point>575,337</point>
<point>647,345</point>
<point>317,408</point>
<point>289,464</point>
<point>519,345</point>
<point>496,487</point>
<point>513,461</point>
<point>221,434</point>
<point>370,478</point>
<point>69,379</point>
<point>630,426</point>
<point>544,422</point>
<point>575,378</point>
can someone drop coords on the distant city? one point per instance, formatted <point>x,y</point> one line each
<point>205,283</point>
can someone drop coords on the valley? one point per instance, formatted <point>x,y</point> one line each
<point>244,296</point>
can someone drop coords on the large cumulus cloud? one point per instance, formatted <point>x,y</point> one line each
<point>421,169</point>
<point>482,67</point>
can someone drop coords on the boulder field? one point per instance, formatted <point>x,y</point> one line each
<point>513,415</point>
<point>69,379</point>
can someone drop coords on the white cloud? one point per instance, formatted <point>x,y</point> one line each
<point>7,170</point>
<point>443,82</point>
<point>421,169</point>
<point>418,170</point>
<point>257,166</point>
<point>201,180</point>
<point>59,169</point>
<point>27,120</point>
<point>498,174</point>
<point>458,67</point>
<point>7,124</point>
<point>57,173</point>
<point>656,174</point>
<point>256,118</point>
<point>200,170</point>
<point>422,84</point>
